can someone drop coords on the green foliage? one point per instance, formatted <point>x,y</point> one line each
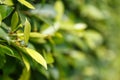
<point>27,31</point>
<point>59,40</point>
<point>24,2</point>
<point>5,11</point>
<point>14,21</point>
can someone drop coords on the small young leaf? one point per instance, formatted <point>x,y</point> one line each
<point>36,56</point>
<point>14,21</point>
<point>27,4</point>
<point>26,62</point>
<point>27,30</point>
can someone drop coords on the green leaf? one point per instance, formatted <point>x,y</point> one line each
<point>26,62</point>
<point>48,57</point>
<point>92,12</point>
<point>4,35</point>
<point>5,11</point>
<point>6,50</point>
<point>27,4</point>
<point>37,40</point>
<point>59,7</point>
<point>25,75</point>
<point>37,35</point>
<point>14,21</point>
<point>93,39</point>
<point>0,19</point>
<point>51,30</point>
<point>27,30</point>
<point>8,2</point>
<point>37,57</point>
<point>22,18</point>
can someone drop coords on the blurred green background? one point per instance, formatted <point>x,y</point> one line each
<point>82,40</point>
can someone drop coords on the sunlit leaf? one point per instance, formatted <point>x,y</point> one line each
<point>27,4</point>
<point>14,21</point>
<point>37,35</point>
<point>8,2</point>
<point>51,29</point>
<point>36,56</point>
<point>27,30</point>
<point>80,26</point>
<point>59,7</point>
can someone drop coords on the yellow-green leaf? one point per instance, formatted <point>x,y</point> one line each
<point>37,35</point>
<point>59,7</point>
<point>26,62</point>
<point>8,2</point>
<point>27,30</point>
<point>27,4</point>
<point>25,75</point>
<point>36,56</point>
<point>48,57</point>
<point>14,21</point>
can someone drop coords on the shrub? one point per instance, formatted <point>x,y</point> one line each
<point>54,40</point>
